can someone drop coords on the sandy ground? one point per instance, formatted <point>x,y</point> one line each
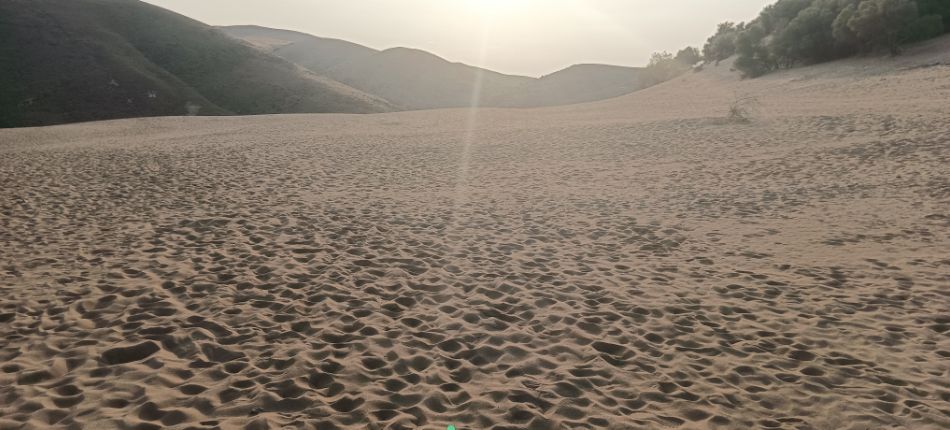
<point>637,263</point>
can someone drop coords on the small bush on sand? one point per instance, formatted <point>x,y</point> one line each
<point>741,109</point>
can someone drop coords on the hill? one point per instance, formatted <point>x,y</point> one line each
<point>415,79</point>
<point>82,60</point>
<point>580,83</point>
<point>318,54</point>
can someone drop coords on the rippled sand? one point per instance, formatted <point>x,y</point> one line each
<point>637,263</point>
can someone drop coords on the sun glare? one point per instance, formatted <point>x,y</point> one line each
<point>494,7</point>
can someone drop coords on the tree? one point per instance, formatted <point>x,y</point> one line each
<point>923,28</point>
<point>776,16</point>
<point>659,58</point>
<point>933,21</point>
<point>755,58</point>
<point>721,45</point>
<point>928,8</point>
<point>845,38</point>
<point>809,36</point>
<point>788,33</point>
<point>688,56</point>
<point>880,23</point>
<point>662,67</point>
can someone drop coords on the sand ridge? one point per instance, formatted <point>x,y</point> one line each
<point>611,265</point>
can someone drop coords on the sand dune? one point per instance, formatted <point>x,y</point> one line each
<point>636,263</point>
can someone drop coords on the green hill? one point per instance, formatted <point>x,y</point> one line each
<point>82,60</point>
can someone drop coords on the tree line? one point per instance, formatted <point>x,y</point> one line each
<point>792,33</point>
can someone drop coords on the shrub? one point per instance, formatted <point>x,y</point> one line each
<point>721,45</point>
<point>755,58</point>
<point>788,33</point>
<point>688,56</point>
<point>923,28</point>
<point>845,38</point>
<point>740,110</point>
<point>879,23</point>
<point>809,36</point>
<point>663,67</point>
<point>940,8</point>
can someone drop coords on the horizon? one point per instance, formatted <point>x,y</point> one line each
<point>492,34</point>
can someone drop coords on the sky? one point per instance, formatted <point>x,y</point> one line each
<point>525,37</point>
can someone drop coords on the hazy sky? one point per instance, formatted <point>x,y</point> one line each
<point>530,37</point>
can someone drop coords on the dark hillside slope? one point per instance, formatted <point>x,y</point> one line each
<point>81,60</point>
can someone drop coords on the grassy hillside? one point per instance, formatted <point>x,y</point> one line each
<point>80,60</point>
<point>414,79</point>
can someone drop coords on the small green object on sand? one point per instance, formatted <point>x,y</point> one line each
<point>450,427</point>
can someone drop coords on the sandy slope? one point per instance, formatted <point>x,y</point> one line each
<point>633,263</point>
